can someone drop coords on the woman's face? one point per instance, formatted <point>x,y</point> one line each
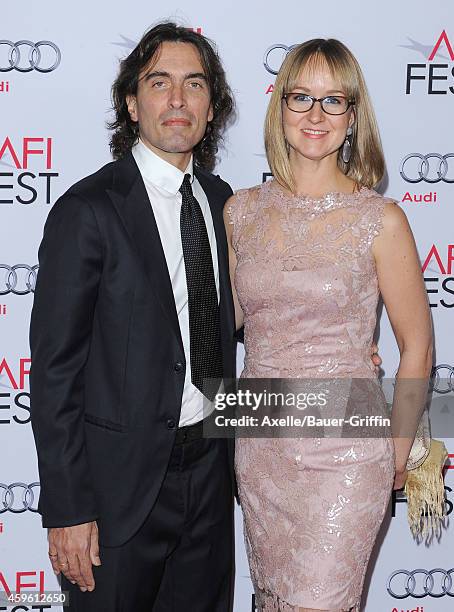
<point>314,134</point>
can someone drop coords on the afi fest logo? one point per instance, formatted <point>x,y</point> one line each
<point>14,392</point>
<point>436,75</point>
<point>17,582</point>
<point>438,270</point>
<point>26,166</point>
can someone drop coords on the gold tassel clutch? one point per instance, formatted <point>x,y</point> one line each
<point>424,489</point>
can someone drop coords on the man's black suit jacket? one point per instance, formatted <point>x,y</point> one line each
<point>108,364</point>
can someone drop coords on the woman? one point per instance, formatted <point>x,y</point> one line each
<point>309,253</point>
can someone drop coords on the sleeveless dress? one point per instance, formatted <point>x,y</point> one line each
<point>307,285</point>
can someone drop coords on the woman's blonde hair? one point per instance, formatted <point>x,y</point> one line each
<point>367,165</point>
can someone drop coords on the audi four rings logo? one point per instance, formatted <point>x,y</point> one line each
<point>435,583</point>
<point>19,279</point>
<point>25,56</point>
<point>445,373</point>
<point>18,497</point>
<point>431,168</point>
<point>274,57</point>
<point>441,378</point>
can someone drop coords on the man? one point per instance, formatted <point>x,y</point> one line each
<point>133,311</point>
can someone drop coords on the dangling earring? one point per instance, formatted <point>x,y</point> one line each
<point>347,148</point>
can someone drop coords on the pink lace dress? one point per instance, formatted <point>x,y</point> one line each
<point>307,284</point>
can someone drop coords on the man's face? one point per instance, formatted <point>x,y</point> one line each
<point>173,102</point>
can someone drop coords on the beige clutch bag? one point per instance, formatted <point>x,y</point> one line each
<point>424,487</point>
<point>421,445</point>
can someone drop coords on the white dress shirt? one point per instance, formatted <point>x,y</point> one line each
<point>162,182</point>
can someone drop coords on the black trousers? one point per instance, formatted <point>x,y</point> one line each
<point>181,559</point>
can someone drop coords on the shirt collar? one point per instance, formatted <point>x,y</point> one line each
<point>159,172</point>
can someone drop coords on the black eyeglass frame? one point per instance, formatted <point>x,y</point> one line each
<point>350,102</point>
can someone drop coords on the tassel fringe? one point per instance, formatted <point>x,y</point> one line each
<point>426,495</point>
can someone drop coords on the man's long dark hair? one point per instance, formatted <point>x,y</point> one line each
<point>126,131</point>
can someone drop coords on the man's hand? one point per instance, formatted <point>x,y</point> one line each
<point>376,359</point>
<point>73,550</point>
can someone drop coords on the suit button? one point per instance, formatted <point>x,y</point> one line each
<point>178,366</point>
<point>171,424</point>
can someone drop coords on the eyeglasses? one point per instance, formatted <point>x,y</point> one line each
<point>302,103</point>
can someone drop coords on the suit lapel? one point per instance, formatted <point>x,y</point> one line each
<point>131,201</point>
<point>130,198</point>
<point>216,203</point>
<point>218,224</point>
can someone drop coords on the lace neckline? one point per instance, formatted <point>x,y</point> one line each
<point>331,199</point>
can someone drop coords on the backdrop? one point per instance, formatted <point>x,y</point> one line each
<point>57,63</point>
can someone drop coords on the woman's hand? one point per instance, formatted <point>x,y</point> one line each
<point>376,359</point>
<point>400,478</point>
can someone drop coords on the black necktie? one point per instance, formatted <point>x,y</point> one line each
<point>204,327</point>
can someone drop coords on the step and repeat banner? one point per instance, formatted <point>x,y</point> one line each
<point>57,63</point>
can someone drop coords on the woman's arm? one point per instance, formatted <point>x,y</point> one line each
<point>232,262</point>
<point>404,295</point>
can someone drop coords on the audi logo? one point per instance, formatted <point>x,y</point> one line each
<point>441,378</point>
<point>274,56</point>
<point>15,52</point>
<point>18,497</point>
<point>19,279</point>
<point>431,168</point>
<point>435,583</point>
<point>442,383</point>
